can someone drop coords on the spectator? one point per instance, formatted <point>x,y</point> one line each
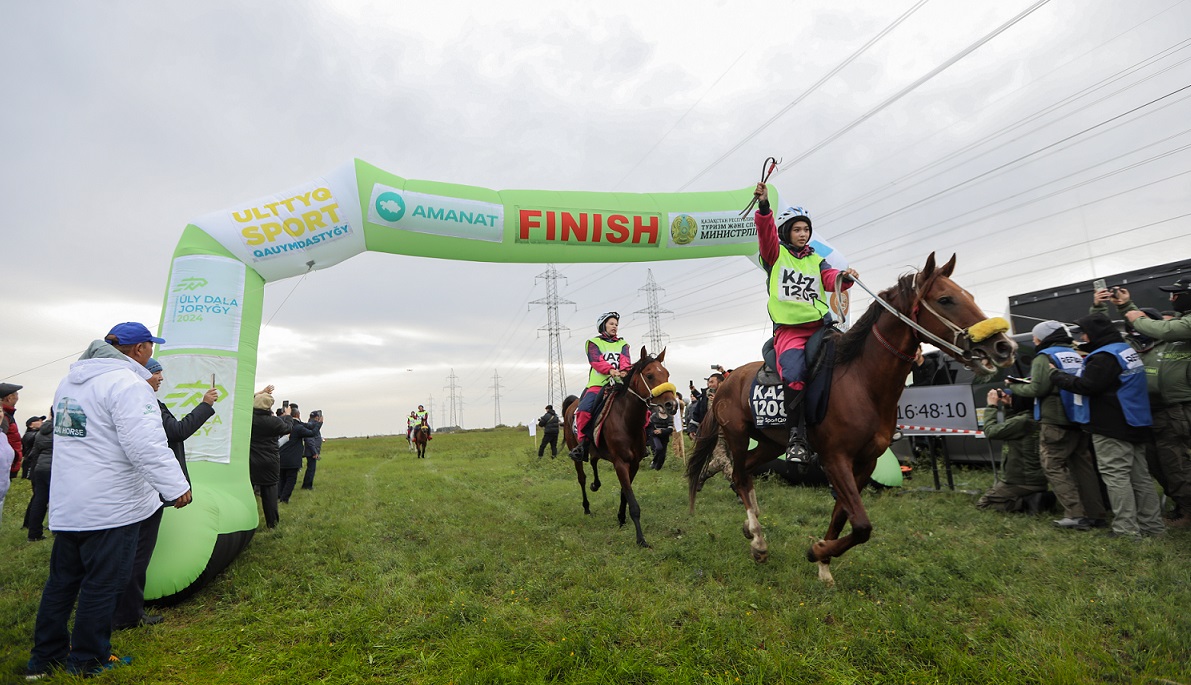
<point>130,608</point>
<point>312,449</point>
<point>1066,455</point>
<point>291,450</point>
<point>1022,483</point>
<point>32,425</point>
<point>660,428</point>
<point>264,454</point>
<point>702,404</point>
<point>111,470</point>
<point>1168,367</point>
<point>7,455</point>
<point>1113,379</point>
<point>549,424</point>
<point>42,456</point>
<point>8,401</point>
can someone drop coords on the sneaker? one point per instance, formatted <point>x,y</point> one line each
<point>1073,524</point>
<point>113,661</point>
<point>38,672</point>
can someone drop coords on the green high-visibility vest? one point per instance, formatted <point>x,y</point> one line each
<point>796,289</point>
<point>611,352</point>
<point>421,415</point>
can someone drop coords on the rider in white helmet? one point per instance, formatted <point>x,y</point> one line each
<point>797,279</point>
<point>608,355</point>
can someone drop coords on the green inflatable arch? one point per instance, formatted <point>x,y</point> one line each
<point>212,313</point>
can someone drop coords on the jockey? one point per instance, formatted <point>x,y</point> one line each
<point>796,281</point>
<point>410,422</point>
<point>609,359</point>
<point>422,416</point>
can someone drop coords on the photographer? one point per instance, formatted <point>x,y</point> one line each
<point>312,448</point>
<point>291,452</point>
<point>1022,483</point>
<point>549,424</point>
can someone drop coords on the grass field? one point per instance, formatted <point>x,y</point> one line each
<point>477,565</point>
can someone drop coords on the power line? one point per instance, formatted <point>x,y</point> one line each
<point>910,88</point>
<point>851,58</point>
<point>967,181</point>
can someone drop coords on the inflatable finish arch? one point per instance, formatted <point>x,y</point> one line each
<point>212,313</point>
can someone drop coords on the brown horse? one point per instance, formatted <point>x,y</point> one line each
<point>622,441</point>
<point>421,436</point>
<point>872,361</point>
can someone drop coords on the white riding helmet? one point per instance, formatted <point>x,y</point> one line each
<point>788,216</point>
<point>603,318</point>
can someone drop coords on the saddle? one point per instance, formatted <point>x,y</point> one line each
<point>768,393</point>
<point>599,414</point>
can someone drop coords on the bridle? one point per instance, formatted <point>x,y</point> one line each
<point>962,339</point>
<point>654,392</point>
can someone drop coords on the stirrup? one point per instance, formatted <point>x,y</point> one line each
<point>798,451</point>
<point>579,452</point>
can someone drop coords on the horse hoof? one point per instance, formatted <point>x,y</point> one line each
<point>643,543</point>
<point>748,535</point>
<point>815,552</point>
<point>595,486</point>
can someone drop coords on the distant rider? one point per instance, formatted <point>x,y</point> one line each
<point>796,281</point>
<point>609,359</point>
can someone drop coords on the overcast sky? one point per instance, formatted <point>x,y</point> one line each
<point>124,121</point>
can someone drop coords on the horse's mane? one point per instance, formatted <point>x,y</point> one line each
<point>635,368</point>
<point>851,345</point>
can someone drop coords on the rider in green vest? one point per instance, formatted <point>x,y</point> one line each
<point>608,355</point>
<point>796,283</point>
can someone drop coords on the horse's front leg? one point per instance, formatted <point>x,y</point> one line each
<point>746,487</point>
<point>625,472</point>
<point>581,473</point>
<point>848,508</point>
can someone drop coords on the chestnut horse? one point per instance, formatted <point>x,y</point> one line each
<point>872,361</point>
<point>622,440</point>
<point>421,436</point>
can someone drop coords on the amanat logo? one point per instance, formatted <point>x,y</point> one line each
<point>587,227</point>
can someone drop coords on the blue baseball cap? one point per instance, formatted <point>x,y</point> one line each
<point>153,365</point>
<point>131,333</point>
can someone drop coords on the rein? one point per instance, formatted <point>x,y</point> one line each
<point>984,329</point>
<point>660,389</point>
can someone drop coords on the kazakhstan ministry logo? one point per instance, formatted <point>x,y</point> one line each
<point>390,206</point>
<point>684,229</point>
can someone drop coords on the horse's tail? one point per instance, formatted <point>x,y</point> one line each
<point>571,399</point>
<point>705,441</point>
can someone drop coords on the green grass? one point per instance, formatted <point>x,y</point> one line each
<point>477,565</point>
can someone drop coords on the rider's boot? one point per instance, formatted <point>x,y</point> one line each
<point>797,450</point>
<point>579,451</point>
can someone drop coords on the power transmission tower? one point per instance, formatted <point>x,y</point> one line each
<point>556,388</point>
<point>453,393</point>
<point>656,337</point>
<point>496,395</point>
<point>430,411</point>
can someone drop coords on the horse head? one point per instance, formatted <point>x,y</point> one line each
<point>650,381</point>
<point>949,312</point>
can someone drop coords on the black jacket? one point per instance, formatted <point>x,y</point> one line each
<point>656,422</point>
<point>264,458</point>
<point>313,446</point>
<point>549,422</point>
<point>1099,381</point>
<point>291,451</point>
<point>42,452</point>
<point>27,445</point>
<point>177,431</point>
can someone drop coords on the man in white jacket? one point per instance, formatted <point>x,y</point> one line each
<point>112,469</point>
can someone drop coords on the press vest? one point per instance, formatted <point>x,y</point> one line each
<point>1133,395</point>
<point>1075,406</point>
<point>796,289</point>
<point>610,351</point>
